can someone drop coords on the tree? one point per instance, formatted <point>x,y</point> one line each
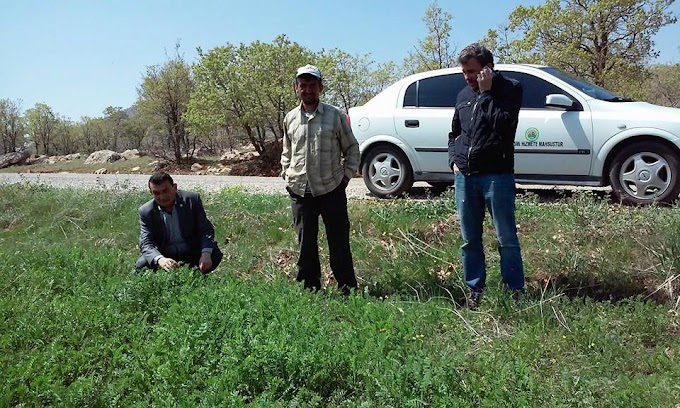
<point>220,99</point>
<point>134,130</point>
<point>248,87</point>
<point>92,134</point>
<point>164,95</point>
<point>346,78</point>
<point>270,85</point>
<point>435,50</point>
<point>64,139</point>
<point>12,125</point>
<point>605,41</point>
<point>351,80</point>
<point>384,75</point>
<point>41,124</point>
<point>114,118</point>
<point>663,86</point>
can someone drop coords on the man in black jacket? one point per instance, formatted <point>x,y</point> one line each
<point>481,155</point>
<point>175,229</point>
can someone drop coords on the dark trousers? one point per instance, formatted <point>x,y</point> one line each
<point>190,259</point>
<point>333,210</point>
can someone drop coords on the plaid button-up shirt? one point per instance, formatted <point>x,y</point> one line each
<point>318,152</point>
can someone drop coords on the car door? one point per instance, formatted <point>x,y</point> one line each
<point>550,143</point>
<point>423,119</point>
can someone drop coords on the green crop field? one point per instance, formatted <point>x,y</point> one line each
<point>599,325</point>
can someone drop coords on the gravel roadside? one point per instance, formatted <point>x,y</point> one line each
<point>265,185</point>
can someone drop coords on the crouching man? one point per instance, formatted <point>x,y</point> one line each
<point>175,229</point>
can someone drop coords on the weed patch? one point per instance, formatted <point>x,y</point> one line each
<point>599,325</point>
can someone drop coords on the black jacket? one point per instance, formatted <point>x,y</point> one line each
<point>483,128</point>
<point>194,224</point>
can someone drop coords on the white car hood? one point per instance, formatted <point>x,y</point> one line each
<point>640,113</point>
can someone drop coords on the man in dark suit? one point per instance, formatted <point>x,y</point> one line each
<point>175,229</point>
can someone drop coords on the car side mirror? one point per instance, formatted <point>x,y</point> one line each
<point>559,101</point>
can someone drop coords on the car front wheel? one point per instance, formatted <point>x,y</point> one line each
<point>387,172</point>
<point>645,172</point>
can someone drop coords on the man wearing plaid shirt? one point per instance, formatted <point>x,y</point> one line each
<point>320,155</point>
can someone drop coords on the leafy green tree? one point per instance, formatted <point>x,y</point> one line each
<point>384,75</point>
<point>346,78</point>
<point>248,87</point>
<point>92,134</point>
<point>220,99</point>
<point>351,80</point>
<point>605,41</point>
<point>271,85</point>
<point>134,130</point>
<point>435,50</point>
<point>114,119</point>
<point>65,139</point>
<point>41,121</point>
<point>663,86</point>
<point>164,96</point>
<point>12,125</point>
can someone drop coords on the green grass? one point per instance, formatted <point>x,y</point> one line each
<point>79,166</point>
<point>139,165</point>
<point>599,325</point>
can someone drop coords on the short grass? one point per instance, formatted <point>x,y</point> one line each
<point>79,166</point>
<point>599,325</point>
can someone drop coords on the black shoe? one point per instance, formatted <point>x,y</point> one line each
<point>347,290</point>
<point>474,299</point>
<point>313,286</point>
<point>517,295</point>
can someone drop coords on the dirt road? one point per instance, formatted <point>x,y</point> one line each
<point>267,185</point>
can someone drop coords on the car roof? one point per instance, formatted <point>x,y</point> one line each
<point>444,71</point>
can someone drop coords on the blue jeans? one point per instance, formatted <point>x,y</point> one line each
<point>497,193</point>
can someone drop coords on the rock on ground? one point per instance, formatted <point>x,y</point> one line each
<point>132,154</point>
<point>13,158</point>
<point>103,156</point>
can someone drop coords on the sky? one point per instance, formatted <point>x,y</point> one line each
<point>81,56</point>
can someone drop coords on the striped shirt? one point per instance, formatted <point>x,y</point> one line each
<point>318,151</point>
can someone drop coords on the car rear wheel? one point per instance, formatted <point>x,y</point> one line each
<point>645,172</point>
<point>387,172</point>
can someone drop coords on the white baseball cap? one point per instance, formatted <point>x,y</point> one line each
<point>309,69</point>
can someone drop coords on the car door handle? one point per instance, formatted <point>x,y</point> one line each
<point>412,123</point>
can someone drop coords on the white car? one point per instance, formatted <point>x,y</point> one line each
<point>570,132</point>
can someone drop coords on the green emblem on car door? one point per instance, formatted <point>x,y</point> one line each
<point>531,134</point>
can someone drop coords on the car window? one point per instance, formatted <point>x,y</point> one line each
<point>411,95</point>
<point>434,92</point>
<point>534,90</point>
<point>586,87</point>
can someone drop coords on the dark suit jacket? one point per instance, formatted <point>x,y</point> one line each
<point>194,224</point>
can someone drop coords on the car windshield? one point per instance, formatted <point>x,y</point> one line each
<point>593,90</point>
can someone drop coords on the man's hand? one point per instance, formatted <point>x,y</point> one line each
<point>455,169</point>
<point>205,263</point>
<point>167,263</point>
<point>485,79</point>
